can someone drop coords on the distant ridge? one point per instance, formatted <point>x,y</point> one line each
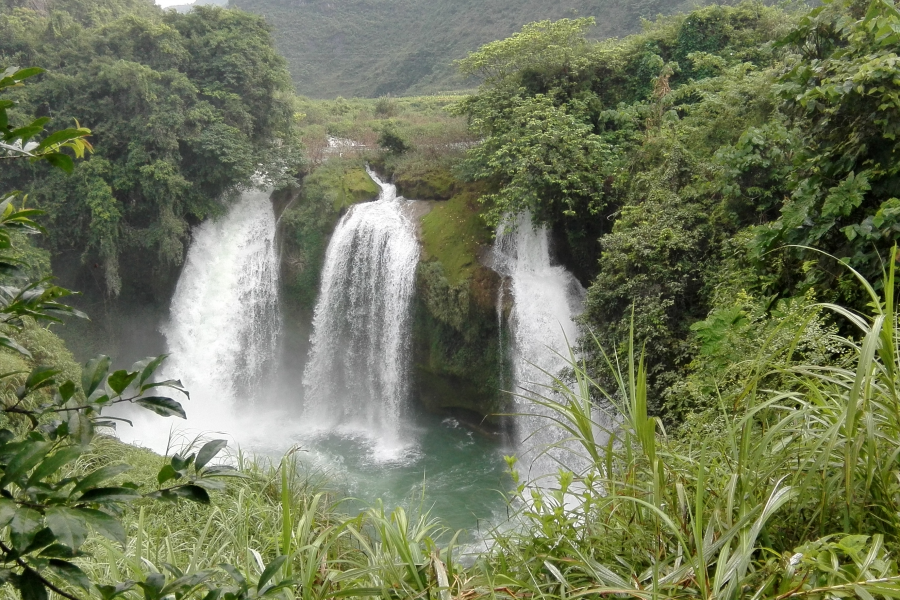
<point>370,48</point>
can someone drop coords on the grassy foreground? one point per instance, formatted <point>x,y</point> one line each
<point>789,489</point>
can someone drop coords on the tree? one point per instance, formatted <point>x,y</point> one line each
<point>184,109</point>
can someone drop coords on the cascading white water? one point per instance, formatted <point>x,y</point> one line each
<point>546,299</point>
<point>357,375</point>
<point>224,321</point>
<point>224,317</point>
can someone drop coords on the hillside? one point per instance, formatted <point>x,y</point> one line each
<point>370,48</point>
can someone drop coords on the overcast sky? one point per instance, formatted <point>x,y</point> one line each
<point>165,3</point>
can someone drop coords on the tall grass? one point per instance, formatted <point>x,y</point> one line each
<point>791,489</point>
<point>794,494</point>
<point>275,509</point>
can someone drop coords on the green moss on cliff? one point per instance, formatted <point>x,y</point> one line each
<point>458,359</point>
<point>309,219</point>
<point>422,177</point>
<point>453,233</point>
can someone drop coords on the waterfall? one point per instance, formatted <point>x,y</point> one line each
<point>224,318</point>
<point>357,375</point>
<point>224,321</point>
<point>546,299</point>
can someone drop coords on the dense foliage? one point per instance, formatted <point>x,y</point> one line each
<point>182,108</point>
<point>674,166</point>
<point>685,173</point>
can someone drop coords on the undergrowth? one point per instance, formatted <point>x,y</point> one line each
<point>787,488</point>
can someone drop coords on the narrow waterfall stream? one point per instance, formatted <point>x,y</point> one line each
<point>546,300</point>
<point>223,326</point>
<point>357,377</point>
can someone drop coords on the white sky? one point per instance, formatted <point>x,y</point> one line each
<point>165,3</point>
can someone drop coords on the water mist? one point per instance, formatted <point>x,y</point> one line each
<point>223,326</point>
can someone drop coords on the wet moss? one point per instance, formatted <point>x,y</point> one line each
<point>459,358</point>
<point>309,219</point>
<point>426,182</point>
<point>454,233</point>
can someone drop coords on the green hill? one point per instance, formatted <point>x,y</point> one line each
<point>370,48</point>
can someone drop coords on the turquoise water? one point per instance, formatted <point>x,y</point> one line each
<point>455,474</point>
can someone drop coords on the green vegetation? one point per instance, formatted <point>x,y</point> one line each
<point>662,164</point>
<point>182,108</point>
<point>785,490</point>
<point>372,48</point>
<point>453,233</point>
<point>309,218</point>
<point>724,182</point>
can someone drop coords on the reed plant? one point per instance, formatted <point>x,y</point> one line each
<point>790,489</point>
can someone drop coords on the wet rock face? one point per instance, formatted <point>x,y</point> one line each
<point>458,357</point>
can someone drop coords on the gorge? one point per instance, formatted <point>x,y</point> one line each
<point>352,409</point>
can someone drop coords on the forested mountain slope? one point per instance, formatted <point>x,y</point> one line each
<point>371,48</point>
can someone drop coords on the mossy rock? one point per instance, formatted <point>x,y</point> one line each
<point>454,234</point>
<point>310,218</point>
<point>460,360</point>
<point>429,183</point>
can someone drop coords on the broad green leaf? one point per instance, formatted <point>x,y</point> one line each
<point>185,583</point>
<point>59,160</point>
<point>180,463</point>
<point>148,366</point>
<point>270,571</point>
<point>162,406</point>
<point>31,453</point>
<point>41,377</point>
<point>108,592</point>
<point>68,525</point>
<point>63,135</point>
<point>27,72</point>
<point>188,492</point>
<point>193,493</point>
<point>120,380</point>
<point>25,524</point>
<point>7,511</point>
<point>81,428</point>
<point>210,484</point>
<point>94,373</point>
<point>43,538</point>
<point>7,342</point>
<point>233,573</point>
<point>153,585</point>
<point>59,551</point>
<point>166,473</point>
<point>175,384</point>
<point>99,476</point>
<point>71,573</point>
<point>109,495</point>
<point>104,524</point>
<point>54,462</point>
<point>208,452</point>
<point>66,391</point>
<point>31,587</point>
